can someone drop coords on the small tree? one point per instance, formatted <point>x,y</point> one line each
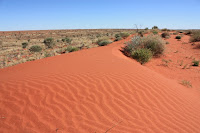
<point>49,42</point>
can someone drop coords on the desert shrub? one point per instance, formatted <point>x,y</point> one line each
<point>155,44</point>
<point>142,55</point>
<point>35,48</point>
<point>118,38</point>
<point>186,83</point>
<point>121,35</point>
<point>165,35</point>
<point>49,42</point>
<point>175,33</point>
<point>146,28</point>
<point>124,34</point>
<point>117,35</point>
<point>103,43</point>
<point>188,32</point>
<point>155,27</point>
<point>24,44</point>
<point>141,33</point>
<point>67,40</point>
<point>165,29</point>
<point>71,49</point>
<point>151,42</point>
<point>178,37</point>
<point>195,36</point>
<point>195,63</point>
<point>155,32</point>
<point>135,43</point>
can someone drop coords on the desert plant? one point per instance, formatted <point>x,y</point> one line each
<point>104,43</point>
<point>186,83</point>
<point>35,48</point>
<point>49,42</point>
<point>134,44</point>
<point>124,34</point>
<point>155,27</point>
<point>68,40</point>
<point>165,29</point>
<point>195,63</point>
<point>165,35</point>
<point>195,36</point>
<point>71,49</point>
<point>24,44</point>
<point>178,37</point>
<point>155,32</point>
<point>155,44</point>
<point>142,55</point>
<point>118,39</point>
<point>175,33</point>
<point>146,28</point>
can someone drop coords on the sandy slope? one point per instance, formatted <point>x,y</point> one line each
<point>96,90</point>
<point>181,54</point>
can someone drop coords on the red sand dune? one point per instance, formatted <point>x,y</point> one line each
<point>95,90</point>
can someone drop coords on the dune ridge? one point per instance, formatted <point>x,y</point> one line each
<point>94,90</point>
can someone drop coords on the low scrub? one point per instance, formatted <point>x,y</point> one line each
<point>103,42</point>
<point>195,36</point>
<point>155,44</point>
<point>49,42</point>
<point>178,37</point>
<point>155,32</point>
<point>72,49</point>
<point>35,48</point>
<point>195,63</point>
<point>165,35</point>
<point>67,40</point>
<point>152,43</point>
<point>121,36</point>
<point>142,55</point>
<point>124,35</point>
<point>24,44</point>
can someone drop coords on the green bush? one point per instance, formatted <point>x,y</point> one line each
<point>117,35</point>
<point>71,49</point>
<point>104,43</point>
<point>35,48</point>
<point>155,27</point>
<point>178,37</point>
<point>151,42</point>
<point>165,35</point>
<point>24,44</point>
<point>155,44</point>
<point>49,42</point>
<point>118,39</point>
<point>155,32</point>
<point>195,63</point>
<point>142,55</point>
<point>135,43</point>
<point>165,29</point>
<point>146,28</point>
<point>68,40</point>
<point>195,36</point>
<point>124,35</point>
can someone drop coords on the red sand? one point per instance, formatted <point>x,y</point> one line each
<point>181,53</point>
<point>95,90</point>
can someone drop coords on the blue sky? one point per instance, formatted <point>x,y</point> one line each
<point>90,14</point>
